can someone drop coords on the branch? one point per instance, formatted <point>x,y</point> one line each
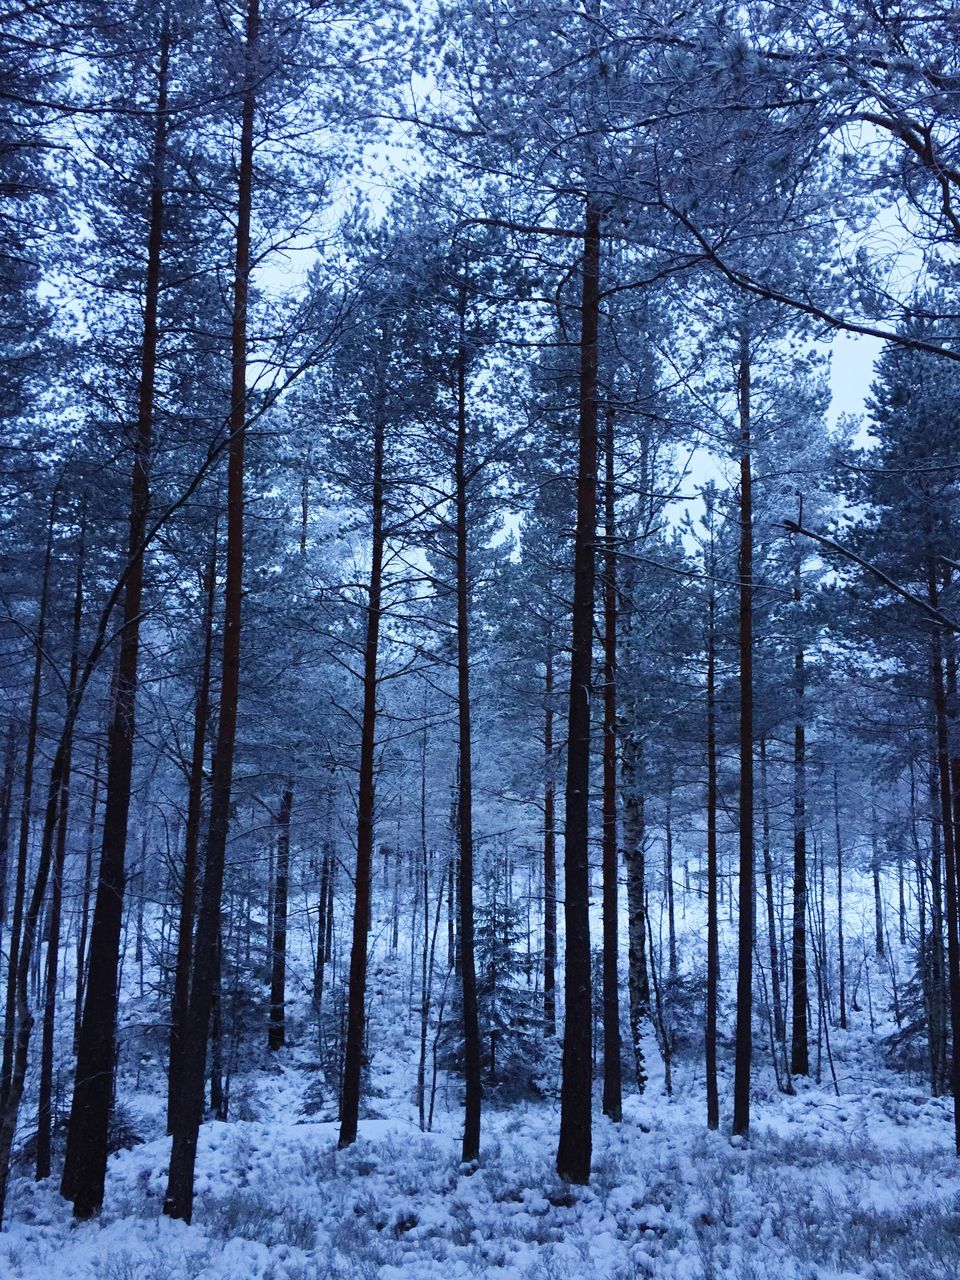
<point>759,290</point>
<point>932,613</point>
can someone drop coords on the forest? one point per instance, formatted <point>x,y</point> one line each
<point>479,614</point>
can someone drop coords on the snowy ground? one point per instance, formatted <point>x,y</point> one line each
<point>828,1188</point>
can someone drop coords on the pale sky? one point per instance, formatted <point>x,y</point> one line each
<point>851,369</point>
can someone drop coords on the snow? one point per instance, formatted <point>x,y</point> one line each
<point>860,1186</point>
<point>864,1185</point>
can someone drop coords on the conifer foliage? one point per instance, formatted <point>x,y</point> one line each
<point>459,617</point>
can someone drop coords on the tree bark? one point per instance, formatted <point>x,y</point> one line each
<point>779,1022</point>
<point>799,1049</point>
<point>549,853</point>
<point>713,948</point>
<point>85,898</point>
<point>23,1026</point>
<point>744,1036</point>
<point>276,1033</point>
<point>178,1201</point>
<point>841,959</point>
<point>218,1096</point>
<point>612,1084</point>
<point>356,1000</point>
<point>576,1137</point>
<point>319,970</point>
<point>878,945</point>
<point>949,863</point>
<point>471,1023</point>
<point>939,963</point>
<point>672,962</point>
<point>45,1094</point>
<point>6,807</point>
<point>26,803</point>
<point>634,856</point>
<point>86,1158</point>
<point>191,848</point>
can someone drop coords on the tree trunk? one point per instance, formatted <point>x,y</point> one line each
<point>86,1159</point>
<point>45,1097</point>
<point>612,1085</point>
<point>576,1136</point>
<point>319,971</point>
<point>549,854</point>
<point>779,1027</point>
<point>471,1024</point>
<point>191,849</point>
<point>6,806</point>
<point>744,1037</point>
<point>949,861</point>
<point>841,960</point>
<point>939,964</point>
<point>877,899</point>
<point>634,856</point>
<point>673,966</point>
<point>218,1098</point>
<point>178,1202</point>
<point>26,803</point>
<point>23,1026</point>
<point>85,898</point>
<point>713,948</point>
<point>276,1034</point>
<point>799,1049</point>
<point>356,1000</point>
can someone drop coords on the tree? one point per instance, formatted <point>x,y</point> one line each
<point>909,484</point>
<point>178,1201</point>
<point>85,1167</point>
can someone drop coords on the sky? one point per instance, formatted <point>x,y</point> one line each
<point>851,369</point>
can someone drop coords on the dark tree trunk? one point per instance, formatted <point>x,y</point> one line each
<point>85,894</point>
<point>218,1097</point>
<point>953,710</point>
<point>939,962</point>
<point>6,806</point>
<point>191,849</point>
<point>276,1033</point>
<point>24,1018</point>
<point>634,856</point>
<point>841,959</point>
<point>452,893</point>
<point>86,1159</point>
<point>26,803</point>
<point>357,995</point>
<point>549,854</point>
<point>779,1027</point>
<point>304,510</point>
<point>744,1036</point>
<point>713,948</point>
<point>331,888</point>
<point>949,863</point>
<point>471,1023</point>
<point>319,971</point>
<point>576,1137</point>
<point>673,966</point>
<point>799,1050</point>
<point>612,1084</point>
<point>178,1202</point>
<point>877,899</point>
<point>45,1096</point>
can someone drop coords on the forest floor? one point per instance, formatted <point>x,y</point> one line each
<point>863,1184</point>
